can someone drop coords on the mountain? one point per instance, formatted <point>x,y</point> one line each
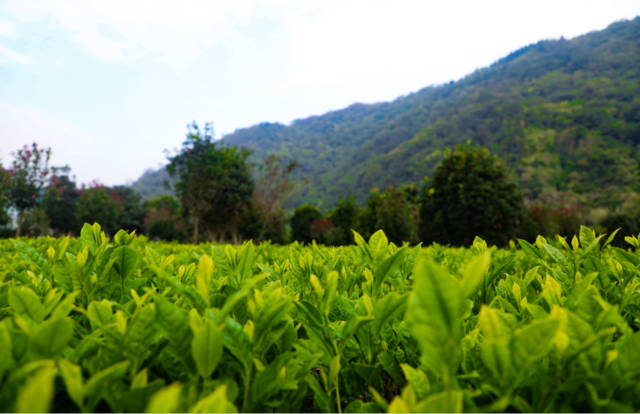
<point>152,183</point>
<point>564,114</point>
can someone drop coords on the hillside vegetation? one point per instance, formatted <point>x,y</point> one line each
<point>565,114</point>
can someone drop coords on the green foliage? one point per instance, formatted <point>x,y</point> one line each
<point>212,183</point>
<point>562,113</point>
<point>163,219</point>
<point>131,211</point>
<point>344,218</point>
<point>28,175</point>
<point>60,202</point>
<point>97,205</point>
<point>301,221</point>
<point>470,194</point>
<point>5,199</point>
<point>391,212</point>
<point>128,325</point>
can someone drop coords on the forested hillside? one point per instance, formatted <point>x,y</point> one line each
<point>565,114</point>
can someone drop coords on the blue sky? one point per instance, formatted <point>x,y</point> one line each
<point>111,84</point>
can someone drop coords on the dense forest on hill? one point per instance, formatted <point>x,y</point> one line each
<point>564,114</point>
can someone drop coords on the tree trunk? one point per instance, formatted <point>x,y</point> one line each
<point>195,229</point>
<point>19,224</point>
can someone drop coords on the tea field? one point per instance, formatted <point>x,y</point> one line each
<point>128,325</point>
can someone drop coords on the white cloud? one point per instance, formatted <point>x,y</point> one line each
<point>90,157</point>
<point>8,56</point>
<point>122,30</point>
<point>7,29</point>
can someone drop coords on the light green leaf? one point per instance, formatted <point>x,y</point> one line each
<point>385,269</point>
<point>166,400</point>
<point>378,243</point>
<point>96,382</point>
<point>494,350</point>
<point>203,277</point>
<point>434,314</point>
<point>443,402</point>
<point>474,273</point>
<point>66,305</point>
<point>6,356</point>
<point>206,348</point>
<point>72,377</point>
<point>398,405</point>
<point>51,337</point>
<point>126,261</point>
<point>362,245</point>
<point>100,313</point>
<point>417,379</point>
<point>24,301</point>
<point>534,341</point>
<point>92,236</point>
<point>216,402</point>
<point>587,236</point>
<point>387,308</point>
<point>35,396</point>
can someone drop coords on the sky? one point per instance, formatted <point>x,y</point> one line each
<point>111,85</point>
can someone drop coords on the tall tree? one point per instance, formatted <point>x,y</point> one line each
<point>301,222</point>
<point>394,216</point>
<point>5,192</point>
<point>60,201</point>
<point>471,194</point>
<point>213,183</point>
<point>273,188</point>
<point>131,211</point>
<point>29,172</point>
<point>96,204</point>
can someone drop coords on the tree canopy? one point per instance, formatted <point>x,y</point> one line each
<point>213,183</point>
<point>471,194</point>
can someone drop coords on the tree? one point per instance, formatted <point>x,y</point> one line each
<point>368,220</point>
<point>97,205</point>
<point>163,219</point>
<point>130,209</point>
<point>60,201</point>
<point>5,193</point>
<point>301,222</point>
<point>471,194</point>
<point>273,188</point>
<point>394,217</point>
<point>213,183</point>
<point>29,172</point>
<point>344,218</point>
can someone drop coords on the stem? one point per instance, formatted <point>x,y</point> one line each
<point>195,229</point>
<point>247,381</point>
<point>338,397</point>
<point>19,224</point>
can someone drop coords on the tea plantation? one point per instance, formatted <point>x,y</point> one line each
<point>129,325</point>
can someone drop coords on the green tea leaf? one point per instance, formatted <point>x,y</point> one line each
<point>126,261</point>
<point>166,400</point>
<point>387,268</point>
<point>203,277</point>
<point>36,395</point>
<point>51,337</point>
<point>474,273</point>
<point>72,377</point>
<point>206,348</point>
<point>24,301</point>
<point>216,402</point>
<point>443,402</point>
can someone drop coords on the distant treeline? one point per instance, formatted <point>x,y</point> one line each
<point>218,198</point>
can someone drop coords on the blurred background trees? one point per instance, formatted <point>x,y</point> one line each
<point>471,194</point>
